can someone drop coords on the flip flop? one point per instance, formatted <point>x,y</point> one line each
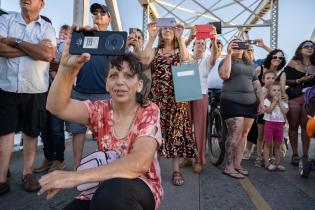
<point>234,175</point>
<point>242,171</point>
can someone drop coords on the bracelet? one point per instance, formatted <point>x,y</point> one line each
<point>297,81</point>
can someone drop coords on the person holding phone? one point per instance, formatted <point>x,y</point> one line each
<point>135,40</point>
<point>240,91</point>
<point>127,124</point>
<point>176,127</point>
<point>90,82</point>
<point>300,73</point>
<point>199,108</point>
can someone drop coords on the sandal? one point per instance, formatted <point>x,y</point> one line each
<point>295,160</point>
<point>234,175</point>
<point>177,178</point>
<point>242,171</point>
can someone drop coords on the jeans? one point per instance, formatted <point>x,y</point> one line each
<point>118,194</point>
<point>53,138</point>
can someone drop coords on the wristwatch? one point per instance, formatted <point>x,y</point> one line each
<point>18,41</point>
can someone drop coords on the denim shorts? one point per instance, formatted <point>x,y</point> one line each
<point>76,127</point>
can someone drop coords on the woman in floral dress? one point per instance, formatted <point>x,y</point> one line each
<point>176,127</point>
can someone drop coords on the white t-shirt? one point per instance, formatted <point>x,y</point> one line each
<point>204,69</point>
<point>276,115</point>
<point>214,81</point>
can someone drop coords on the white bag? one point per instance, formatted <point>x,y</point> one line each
<point>93,160</point>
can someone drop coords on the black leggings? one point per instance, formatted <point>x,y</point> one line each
<point>118,194</point>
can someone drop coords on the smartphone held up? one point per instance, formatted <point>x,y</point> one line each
<point>98,42</point>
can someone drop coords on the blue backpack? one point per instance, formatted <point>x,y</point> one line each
<point>309,101</point>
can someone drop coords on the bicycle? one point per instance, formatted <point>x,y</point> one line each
<point>216,129</point>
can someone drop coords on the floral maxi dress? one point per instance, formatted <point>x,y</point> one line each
<point>175,124</point>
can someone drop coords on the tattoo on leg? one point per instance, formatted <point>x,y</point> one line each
<point>230,141</point>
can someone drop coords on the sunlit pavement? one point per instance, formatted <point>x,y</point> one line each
<point>209,190</point>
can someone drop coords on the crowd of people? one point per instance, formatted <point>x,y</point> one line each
<point>128,103</point>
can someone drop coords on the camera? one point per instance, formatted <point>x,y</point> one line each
<point>242,45</point>
<point>98,42</point>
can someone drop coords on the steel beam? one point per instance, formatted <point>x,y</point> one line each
<point>274,24</point>
<point>313,36</point>
<point>114,11</point>
<point>81,12</point>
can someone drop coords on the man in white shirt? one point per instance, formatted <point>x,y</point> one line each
<point>27,45</point>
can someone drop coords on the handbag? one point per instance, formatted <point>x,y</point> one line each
<point>294,91</point>
<point>93,160</point>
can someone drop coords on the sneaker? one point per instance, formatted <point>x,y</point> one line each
<point>258,163</point>
<point>57,165</point>
<point>271,167</point>
<point>197,168</point>
<point>43,167</point>
<point>4,187</point>
<point>30,183</point>
<point>281,168</point>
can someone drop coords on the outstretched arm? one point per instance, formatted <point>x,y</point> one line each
<point>58,101</point>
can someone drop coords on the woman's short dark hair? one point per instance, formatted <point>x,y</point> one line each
<point>135,67</point>
<point>298,55</point>
<point>267,62</point>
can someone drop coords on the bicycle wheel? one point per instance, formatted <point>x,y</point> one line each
<point>216,137</point>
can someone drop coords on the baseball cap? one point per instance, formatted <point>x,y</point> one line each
<point>99,6</point>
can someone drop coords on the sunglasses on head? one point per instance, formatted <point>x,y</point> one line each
<point>278,57</point>
<point>309,47</point>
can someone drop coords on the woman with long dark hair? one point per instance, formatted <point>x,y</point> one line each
<point>238,105</point>
<point>299,73</point>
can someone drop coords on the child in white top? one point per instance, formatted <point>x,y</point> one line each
<point>268,79</point>
<point>275,111</point>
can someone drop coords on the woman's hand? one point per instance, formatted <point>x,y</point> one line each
<point>179,29</point>
<point>153,30</point>
<point>192,34</point>
<point>231,47</point>
<point>74,62</point>
<point>53,182</point>
<point>260,108</point>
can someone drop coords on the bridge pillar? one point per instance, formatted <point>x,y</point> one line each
<point>81,12</point>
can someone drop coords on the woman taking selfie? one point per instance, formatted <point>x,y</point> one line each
<point>126,125</point>
<point>299,73</point>
<point>176,127</point>
<point>238,104</point>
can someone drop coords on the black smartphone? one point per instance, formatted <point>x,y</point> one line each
<point>242,45</point>
<point>252,42</point>
<point>98,42</point>
<point>218,26</point>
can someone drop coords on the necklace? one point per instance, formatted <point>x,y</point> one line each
<point>130,125</point>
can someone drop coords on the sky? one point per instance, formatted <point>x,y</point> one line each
<point>296,19</point>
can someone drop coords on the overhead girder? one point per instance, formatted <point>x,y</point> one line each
<point>115,15</point>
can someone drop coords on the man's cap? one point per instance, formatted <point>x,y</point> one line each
<point>99,6</point>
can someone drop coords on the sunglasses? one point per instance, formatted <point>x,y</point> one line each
<point>99,12</point>
<point>278,57</point>
<point>250,50</point>
<point>309,47</point>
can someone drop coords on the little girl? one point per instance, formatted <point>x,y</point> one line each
<point>268,79</point>
<point>275,111</point>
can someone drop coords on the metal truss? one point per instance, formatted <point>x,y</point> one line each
<point>238,17</point>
